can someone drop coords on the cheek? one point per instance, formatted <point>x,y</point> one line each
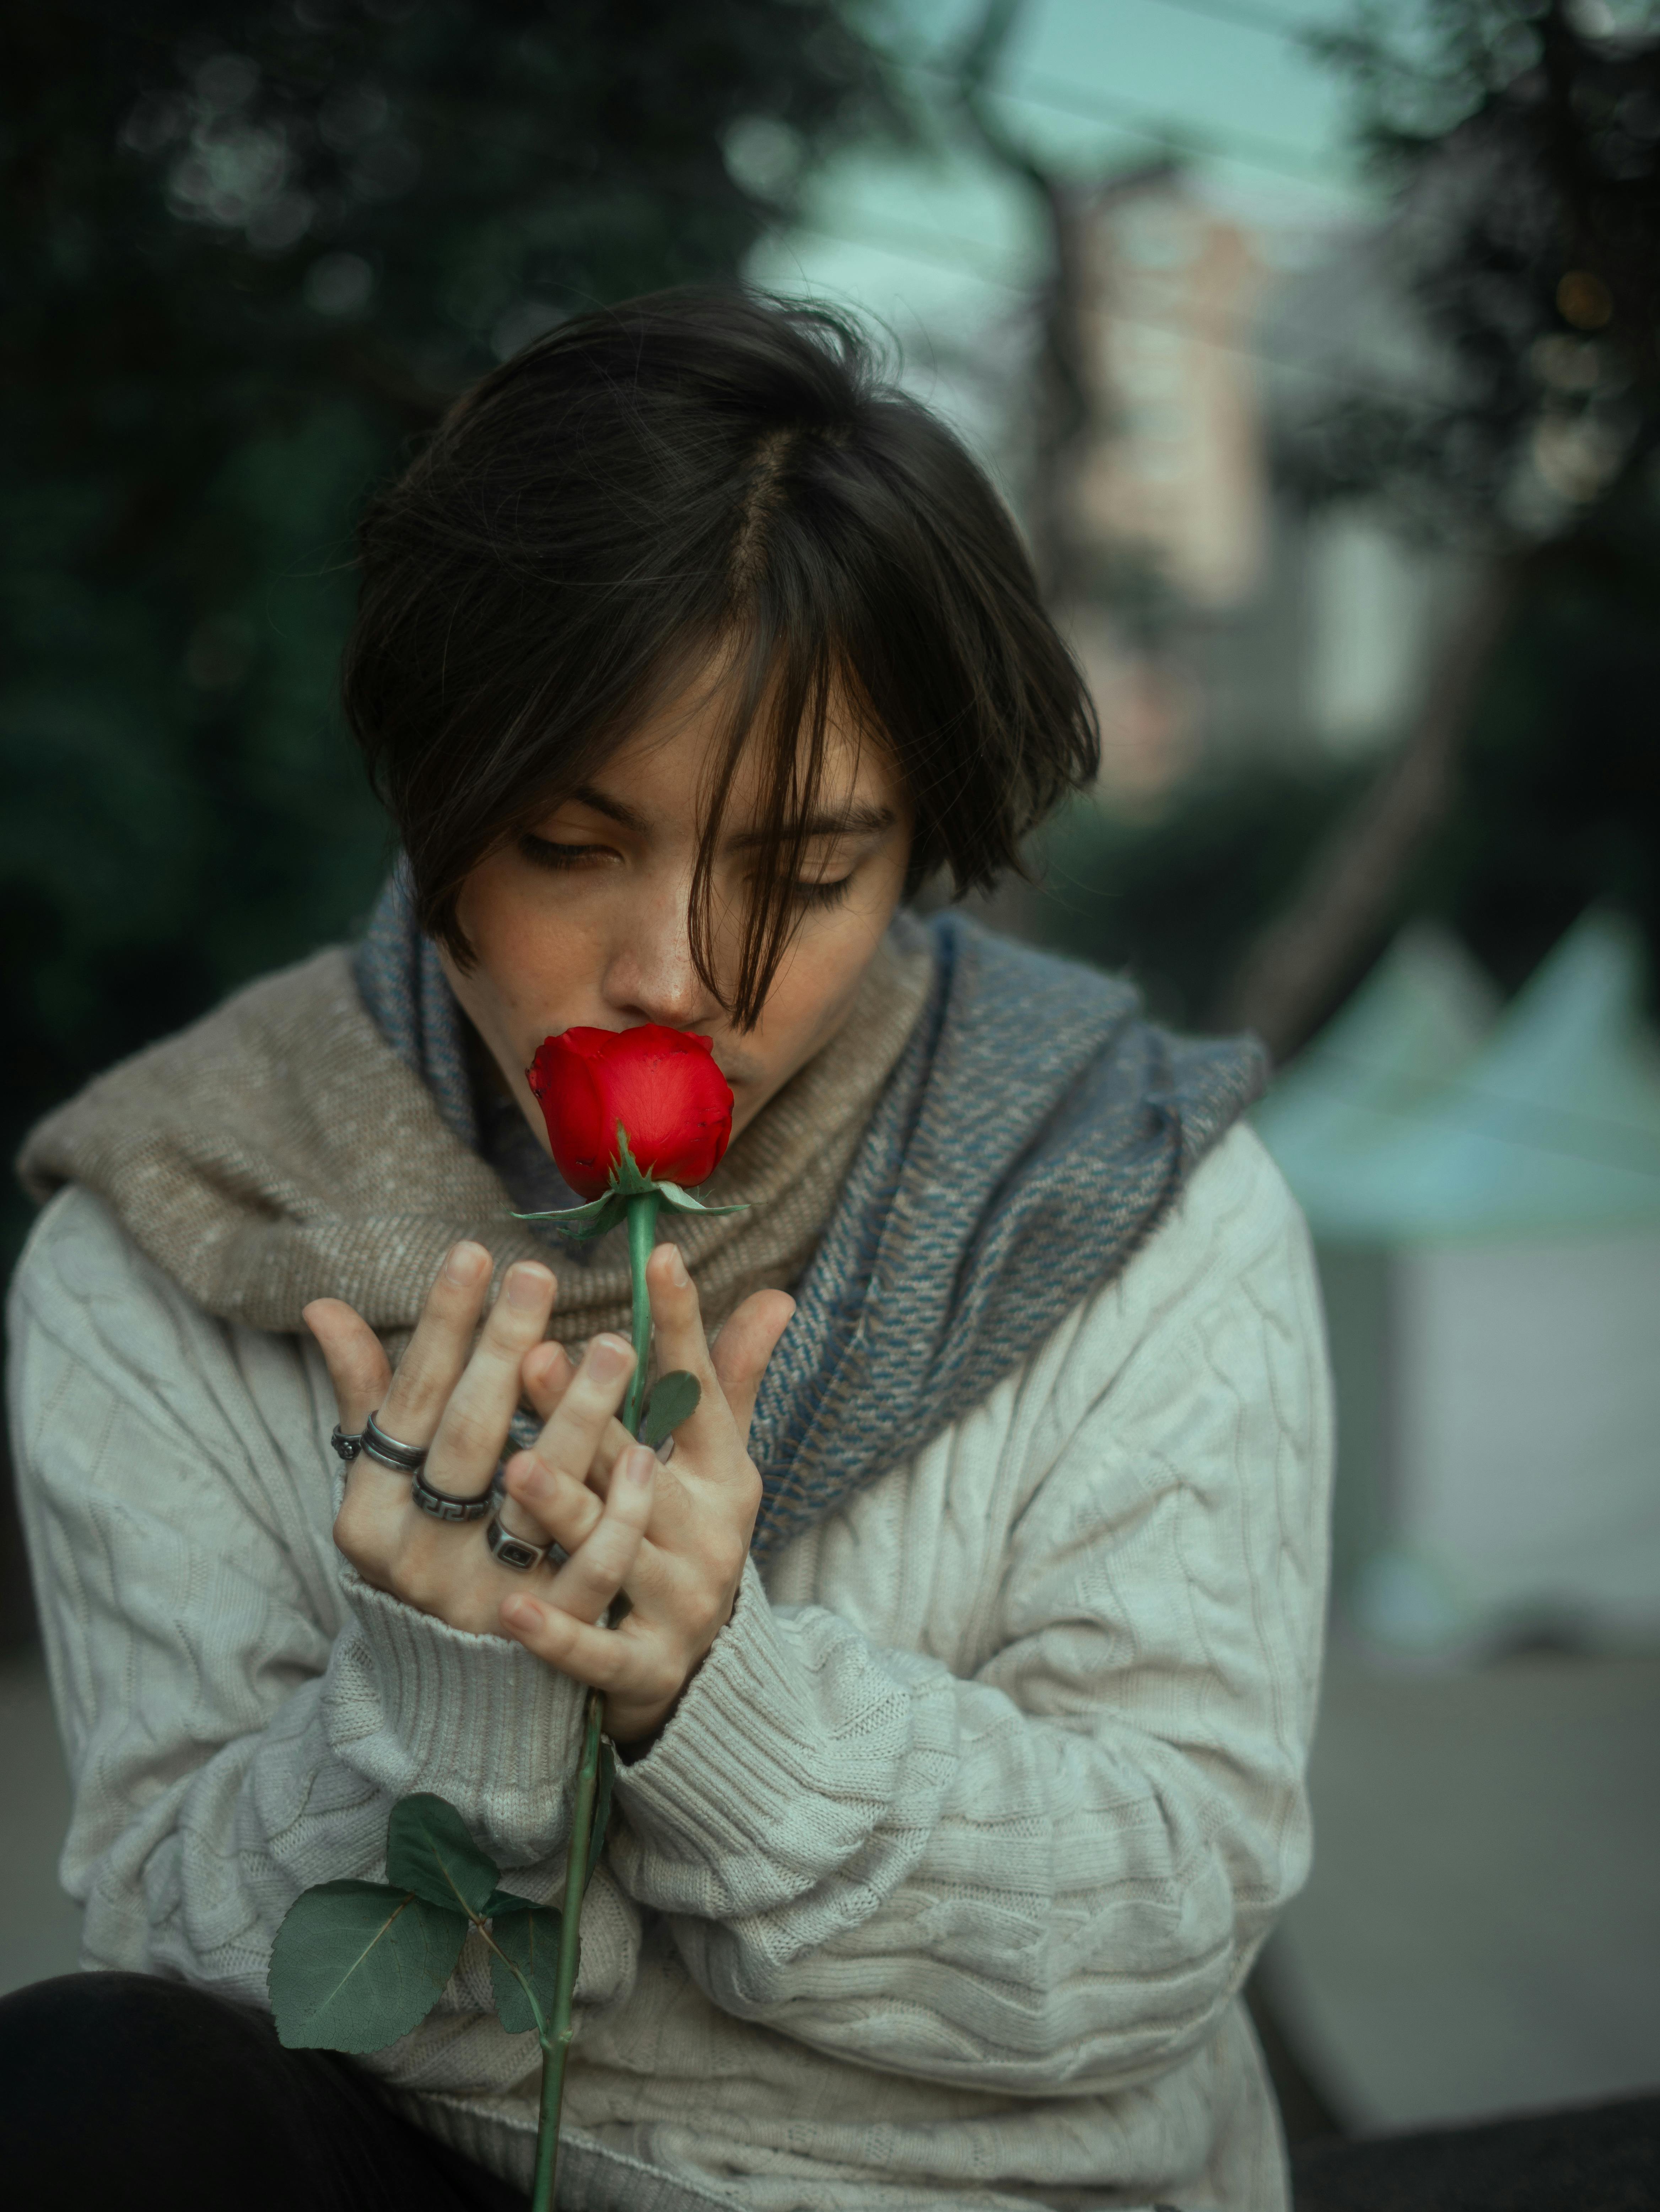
<point>820,975</point>
<point>525,956</point>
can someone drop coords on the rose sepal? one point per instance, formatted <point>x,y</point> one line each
<point>628,1180</point>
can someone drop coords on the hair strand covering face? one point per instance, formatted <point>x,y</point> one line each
<point>704,479</point>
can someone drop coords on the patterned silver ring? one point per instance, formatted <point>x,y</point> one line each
<point>402,1459</point>
<point>443,1505</point>
<point>347,1447</point>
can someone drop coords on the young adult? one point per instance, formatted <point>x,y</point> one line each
<point>969,1660</point>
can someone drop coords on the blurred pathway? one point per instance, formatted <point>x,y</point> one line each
<point>39,1928</point>
<point>1481,1930</point>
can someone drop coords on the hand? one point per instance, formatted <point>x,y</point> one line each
<point>678,1561</point>
<point>457,1399</point>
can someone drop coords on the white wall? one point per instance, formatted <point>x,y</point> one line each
<point>1527,1429</point>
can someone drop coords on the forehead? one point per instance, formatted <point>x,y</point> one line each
<point>668,761</point>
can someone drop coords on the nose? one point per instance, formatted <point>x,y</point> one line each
<point>651,975</point>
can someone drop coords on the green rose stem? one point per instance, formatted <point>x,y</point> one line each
<point>556,2044</point>
<point>642,1235</point>
<point>643,1208</point>
<point>355,1965</point>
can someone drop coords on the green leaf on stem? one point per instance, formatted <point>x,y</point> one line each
<point>599,1216</point>
<point>356,1965</point>
<point>603,1780</point>
<point>674,1399</point>
<point>681,1201</point>
<point>429,1850</point>
<point>529,1937</point>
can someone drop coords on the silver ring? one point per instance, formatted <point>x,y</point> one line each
<point>513,1551</point>
<point>347,1447</point>
<point>443,1505</point>
<point>402,1459</point>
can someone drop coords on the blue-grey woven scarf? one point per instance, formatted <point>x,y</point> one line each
<point>1036,1128</point>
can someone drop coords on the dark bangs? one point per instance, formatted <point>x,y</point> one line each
<point>692,479</point>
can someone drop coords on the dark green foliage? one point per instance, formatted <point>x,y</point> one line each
<point>1173,899</point>
<point>674,1399</point>
<point>1560,804</point>
<point>530,1939</point>
<point>356,1965</point>
<point>1527,143</point>
<point>428,1850</point>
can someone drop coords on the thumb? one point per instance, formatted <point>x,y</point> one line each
<point>743,1348</point>
<point>357,1361</point>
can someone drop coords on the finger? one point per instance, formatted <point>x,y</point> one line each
<point>743,1348</point>
<point>598,1657</point>
<point>355,1358</point>
<point>542,1502</point>
<point>430,1368</point>
<point>677,1317</point>
<point>596,1571</point>
<point>572,1438</point>
<point>547,1373</point>
<point>474,1426</point>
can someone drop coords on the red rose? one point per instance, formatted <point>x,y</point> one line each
<point>661,1084</point>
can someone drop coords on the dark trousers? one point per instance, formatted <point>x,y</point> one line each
<point>124,2090</point>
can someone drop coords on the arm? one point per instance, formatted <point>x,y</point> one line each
<point>240,1711</point>
<point>1052,1868</point>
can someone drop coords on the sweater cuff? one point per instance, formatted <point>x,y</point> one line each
<point>417,1705</point>
<point>727,1775</point>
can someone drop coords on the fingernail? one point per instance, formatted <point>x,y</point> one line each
<point>521,1612</point>
<point>528,1478</point>
<point>466,1264</point>
<point>527,1286</point>
<point>677,1274</point>
<point>642,1465</point>
<point>608,1356</point>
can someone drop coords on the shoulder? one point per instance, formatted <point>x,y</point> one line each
<point>83,1282</point>
<point>1227,1276</point>
<point>304,1015</point>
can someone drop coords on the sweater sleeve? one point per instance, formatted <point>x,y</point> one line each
<point>1047,1869</point>
<point>240,1711</point>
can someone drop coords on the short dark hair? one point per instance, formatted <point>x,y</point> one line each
<point>696,471</point>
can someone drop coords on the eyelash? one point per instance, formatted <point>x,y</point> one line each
<point>544,852</point>
<point>821,896</point>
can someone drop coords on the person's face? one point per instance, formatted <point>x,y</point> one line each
<point>583,922</point>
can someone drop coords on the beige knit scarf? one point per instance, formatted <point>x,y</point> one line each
<point>280,1151</point>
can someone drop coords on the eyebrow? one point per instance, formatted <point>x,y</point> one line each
<point>847,822</point>
<point>612,808</point>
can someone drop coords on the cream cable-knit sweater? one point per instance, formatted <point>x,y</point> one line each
<point>939,1889</point>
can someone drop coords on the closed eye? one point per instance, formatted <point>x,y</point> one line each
<point>820,894</point>
<point>544,852</point>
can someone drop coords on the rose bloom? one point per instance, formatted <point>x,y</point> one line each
<point>661,1084</point>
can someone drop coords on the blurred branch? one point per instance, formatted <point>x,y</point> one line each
<point>1064,407</point>
<point>1301,962</point>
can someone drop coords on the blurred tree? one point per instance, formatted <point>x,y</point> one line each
<point>1526,141</point>
<point>253,248</point>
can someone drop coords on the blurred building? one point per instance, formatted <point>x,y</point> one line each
<point>1221,618</point>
